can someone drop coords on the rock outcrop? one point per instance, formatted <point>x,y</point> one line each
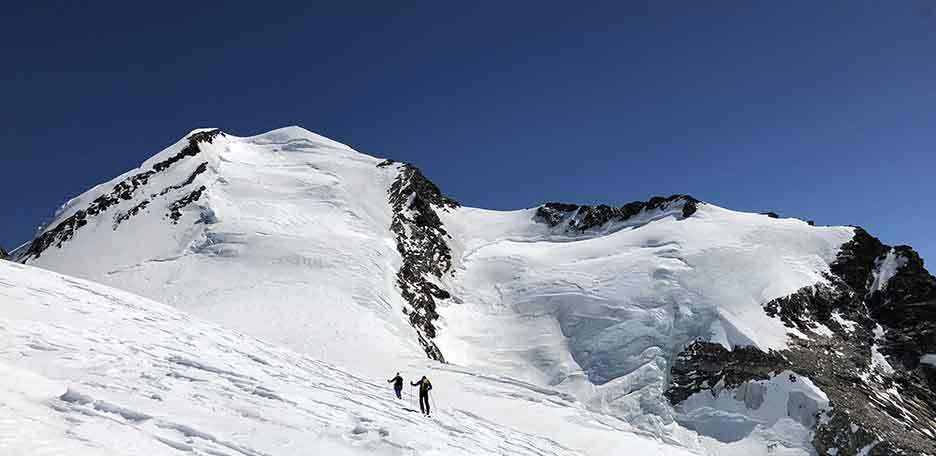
<point>861,337</point>
<point>703,365</point>
<point>577,218</point>
<point>421,241</point>
<point>124,190</point>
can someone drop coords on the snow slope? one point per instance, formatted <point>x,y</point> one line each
<point>91,370</point>
<point>290,241</point>
<point>601,315</point>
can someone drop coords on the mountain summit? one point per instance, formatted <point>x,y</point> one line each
<point>718,331</point>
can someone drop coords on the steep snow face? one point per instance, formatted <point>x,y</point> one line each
<point>91,370</point>
<point>284,235</point>
<point>601,313</point>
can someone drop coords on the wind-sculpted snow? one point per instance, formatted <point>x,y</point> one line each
<point>90,370</point>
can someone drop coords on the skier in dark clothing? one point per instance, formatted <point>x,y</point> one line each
<point>397,385</point>
<point>424,387</point>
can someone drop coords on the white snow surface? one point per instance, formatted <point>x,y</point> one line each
<point>778,413</point>
<point>601,316</point>
<point>290,243</point>
<point>885,270</point>
<point>91,370</point>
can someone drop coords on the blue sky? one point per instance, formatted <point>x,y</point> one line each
<point>819,110</point>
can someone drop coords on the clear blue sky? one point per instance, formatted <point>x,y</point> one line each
<point>820,110</point>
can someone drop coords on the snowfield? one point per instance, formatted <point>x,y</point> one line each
<point>559,341</point>
<point>91,370</point>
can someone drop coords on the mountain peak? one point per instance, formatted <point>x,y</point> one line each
<point>296,134</point>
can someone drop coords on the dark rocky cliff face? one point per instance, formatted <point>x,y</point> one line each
<point>421,241</point>
<point>579,219</point>
<point>125,190</point>
<point>3,254</point>
<point>892,412</point>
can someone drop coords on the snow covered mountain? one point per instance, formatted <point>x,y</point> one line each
<point>717,331</point>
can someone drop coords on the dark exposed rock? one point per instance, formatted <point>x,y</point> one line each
<point>189,150</point>
<point>771,214</point>
<point>856,260</point>
<point>837,433</point>
<point>175,209</point>
<point>123,191</point>
<point>895,411</point>
<point>421,241</point>
<point>583,218</point>
<point>554,213</point>
<point>704,365</point>
<point>813,305</point>
<point>811,222</point>
<point>3,254</point>
<point>123,216</point>
<point>385,163</point>
<point>906,308</point>
<point>188,181</point>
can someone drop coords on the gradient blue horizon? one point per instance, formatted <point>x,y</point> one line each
<point>815,110</point>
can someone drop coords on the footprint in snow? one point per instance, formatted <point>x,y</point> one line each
<point>366,429</point>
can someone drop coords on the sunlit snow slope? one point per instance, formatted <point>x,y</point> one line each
<point>304,242</point>
<point>288,240</point>
<point>609,308</point>
<point>91,370</point>
<point>601,314</point>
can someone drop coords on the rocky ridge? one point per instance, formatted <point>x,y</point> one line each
<point>421,241</point>
<point>123,191</point>
<point>860,337</point>
<point>580,218</point>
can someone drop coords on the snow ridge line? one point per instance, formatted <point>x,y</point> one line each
<point>421,242</point>
<point>124,190</point>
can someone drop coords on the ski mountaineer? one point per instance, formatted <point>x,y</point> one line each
<point>424,387</point>
<point>397,385</point>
